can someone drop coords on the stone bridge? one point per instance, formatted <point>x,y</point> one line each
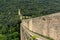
<point>43,28</point>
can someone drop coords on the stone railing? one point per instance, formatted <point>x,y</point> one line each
<point>27,34</point>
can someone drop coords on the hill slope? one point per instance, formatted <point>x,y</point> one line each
<point>39,7</point>
<point>31,7</point>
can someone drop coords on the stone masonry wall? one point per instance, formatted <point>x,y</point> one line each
<point>48,25</point>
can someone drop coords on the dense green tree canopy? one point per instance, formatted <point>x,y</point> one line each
<point>31,7</point>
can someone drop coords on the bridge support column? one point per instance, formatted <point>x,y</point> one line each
<point>30,24</point>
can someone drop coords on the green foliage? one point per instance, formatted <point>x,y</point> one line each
<point>9,25</point>
<point>39,7</point>
<point>31,7</point>
<point>2,37</point>
<point>34,37</point>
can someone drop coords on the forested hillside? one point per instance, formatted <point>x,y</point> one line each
<point>39,7</point>
<point>9,18</point>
